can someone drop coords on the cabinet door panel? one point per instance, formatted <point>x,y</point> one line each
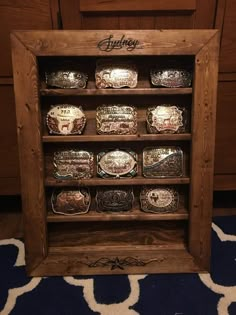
<point>16,14</point>
<point>226,129</point>
<point>8,148</point>
<point>120,14</point>
<point>228,43</point>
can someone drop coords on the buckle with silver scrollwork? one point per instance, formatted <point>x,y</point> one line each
<point>159,199</point>
<point>66,79</point>
<point>111,74</point>
<point>116,119</point>
<point>166,161</point>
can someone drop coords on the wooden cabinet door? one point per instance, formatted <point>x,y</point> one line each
<point>225,166</point>
<point>137,14</point>
<point>15,14</point>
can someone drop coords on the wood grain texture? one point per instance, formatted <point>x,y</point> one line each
<point>134,215</point>
<point>11,225</point>
<point>225,151</point>
<point>116,237</point>
<point>100,235</point>
<point>117,138</point>
<point>68,43</point>
<point>225,182</point>
<point>74,261</point>
<point>220,15</point>
<point>93,91</point>
<point>55,14</point>
<point>8,150</point>
<point>17,14</point>
<point>202,165</point>
<point>70,14</point>
<point>10,186</point>
<point>51,182</point>
<point>139,5</point>
<point>228,43</point>
<point>204,15</point>
<point>30,152</point>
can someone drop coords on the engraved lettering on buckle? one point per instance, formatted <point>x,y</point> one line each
<point>73,164</point>
<point>65,119</point>
<point>162,162</point>
<point>115,75</point>
<point>159,199</point>
<point>117,163</point>
<point>116,119</point>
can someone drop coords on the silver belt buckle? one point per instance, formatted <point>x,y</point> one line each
<point>111,74</point>
<point>171,78</point>
<point>65,119</point>
<point>165,119</point>
<point>71,202</point>
<point>73,164</point>
<point>116,119</point>
<point>117,199</point>
<point>66,79</point>
<point>162,162</point>
<point>117,163</point>
<point>159,199</point>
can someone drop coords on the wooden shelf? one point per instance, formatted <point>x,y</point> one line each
<point>114,182</point>
<point>134,215</point>
<point>114,138</point>
<point>136,91</point>
<point>125,235</point>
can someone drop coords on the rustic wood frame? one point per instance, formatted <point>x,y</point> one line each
<point>44,260</point>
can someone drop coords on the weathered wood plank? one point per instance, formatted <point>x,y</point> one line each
<point>139,5</point>
<point>30,152</point>
<point>71,43</point>
<point>202,159</point>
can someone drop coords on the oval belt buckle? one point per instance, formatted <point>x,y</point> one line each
<point>117,163</point>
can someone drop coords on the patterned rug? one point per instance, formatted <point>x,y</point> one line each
<point>178,294</point>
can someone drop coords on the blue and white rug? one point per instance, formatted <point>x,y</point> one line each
<point>180,294</point>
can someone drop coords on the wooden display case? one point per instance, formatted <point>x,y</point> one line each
<point>133,241</point>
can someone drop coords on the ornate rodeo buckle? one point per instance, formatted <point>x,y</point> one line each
<point>171,78</point>
<point>162,162</point>
<point>117,199</point>
<point>73,164</point>
<point>116,119</point>
<point>117,163</point>
<point>110,74</point>
<point>65,119</point>
<point>71,202</point>
<point>166,119</point>
<point>159,199</point>
<point>66,79</point>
